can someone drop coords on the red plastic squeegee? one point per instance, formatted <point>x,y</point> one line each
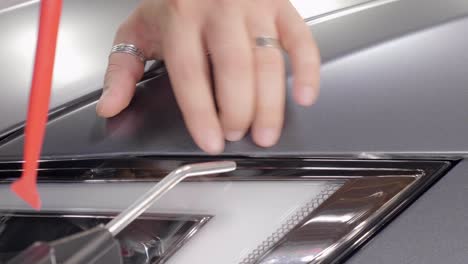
<point>26,186</point>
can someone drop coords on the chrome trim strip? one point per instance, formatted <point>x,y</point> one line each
<point>198,222</point>
<point>346,11</point>
<point>154,168</point>
<point>139,206</point>
<point>19,5</point>
<point>349,217</point>
<point>291,224</point>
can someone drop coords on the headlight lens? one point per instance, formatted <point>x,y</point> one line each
<point>268,211</point>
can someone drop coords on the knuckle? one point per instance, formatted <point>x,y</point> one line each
<point>112,68</point>
<point>269,4</point>
<point>193,109</point>
<point>234,59</point>
<point>268,108</point>
<point>180,64</point>
<point>269,119</point>
<point>226,3</point>
<point>307,58</point>
<point>178,5</point>
<point>235,64</point>
<point>272,105</point>
<point>183,8</point>
<point>270,61</point>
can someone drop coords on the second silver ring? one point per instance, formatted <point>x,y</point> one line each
<point>267,42</point>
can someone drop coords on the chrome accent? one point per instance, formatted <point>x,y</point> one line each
<point>372,192</point>
<point>167,183</point>
<point>149,169</point>
<point>346,11</point>
<point>303,213</point>
<point>350,216</point>
<point>15,4</point>
<point>137,234</point>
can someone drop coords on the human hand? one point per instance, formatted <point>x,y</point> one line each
<point>249,81</point>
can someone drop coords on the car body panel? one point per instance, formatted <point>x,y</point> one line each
<point>402,95</point>
<point>433,230</point>
<point>394,83</point>
<point>85,38</point>
<point>85,35</point>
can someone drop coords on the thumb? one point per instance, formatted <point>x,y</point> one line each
<point>122,74</point>
<point>123,70</point>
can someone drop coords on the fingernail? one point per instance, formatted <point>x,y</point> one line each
<point>266,137</point>
<point>212,142</point>
<point>306,96</point>
<point>234,135</point>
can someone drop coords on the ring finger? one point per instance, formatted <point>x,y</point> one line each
<point>270,83</point>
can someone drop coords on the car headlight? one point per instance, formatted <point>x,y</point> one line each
<point>290,210</point>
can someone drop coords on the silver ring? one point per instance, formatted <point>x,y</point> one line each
<point>129,49</point>
<point>267,42</point>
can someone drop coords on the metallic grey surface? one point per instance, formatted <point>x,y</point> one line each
<point>85,38</point>
<point>404,95</point>
<point>127,216</point>
<point>433,230</point>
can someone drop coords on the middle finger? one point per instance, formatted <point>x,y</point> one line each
<point>231,53</point>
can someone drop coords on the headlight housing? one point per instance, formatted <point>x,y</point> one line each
<point>291,210</point>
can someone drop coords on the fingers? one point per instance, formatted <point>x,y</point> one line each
<point>249,81</point>
<point>230,49</point>
<point>122,74</point>
<point>188,70</point>
<point>297,40</point>
<point>270,86</point>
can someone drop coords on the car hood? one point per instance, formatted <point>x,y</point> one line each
<point>385,89</point>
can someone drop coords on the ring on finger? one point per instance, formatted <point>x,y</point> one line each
<point>267,42</point>
<point>129,49</point>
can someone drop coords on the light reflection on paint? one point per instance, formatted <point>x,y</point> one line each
<point>70,62</point>
<point>312,8</point>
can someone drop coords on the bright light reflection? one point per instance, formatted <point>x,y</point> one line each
<point>333,218</point>
<point>70,62</point>
<point>308,8</point>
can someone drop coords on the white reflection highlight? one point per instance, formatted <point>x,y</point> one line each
<point>10,5</point>
<point>71,62</point>
<point>333,218</point>
<point>308,8</point>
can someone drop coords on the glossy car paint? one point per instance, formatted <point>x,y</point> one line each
<point>385,89</point>
<point>394,82</point>
<point>85,39</point>
<point>86,33</point>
